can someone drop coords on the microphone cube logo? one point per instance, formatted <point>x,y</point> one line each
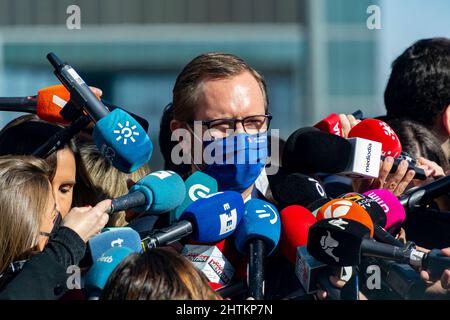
<point>263,213</point>
<point>228,221</point>
<point>337,209</point>
<point>328,245</point>
<point>126,133</point>
<point>198,191</point>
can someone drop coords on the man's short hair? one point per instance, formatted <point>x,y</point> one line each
<point>419,85</point>
<point>208,66</point>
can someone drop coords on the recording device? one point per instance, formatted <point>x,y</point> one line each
<point>158,192</point>
<point>118,136</point>
<point>342,242</point>
<point>377,130</point>
<point>416,198</point>
<point>309,150</point>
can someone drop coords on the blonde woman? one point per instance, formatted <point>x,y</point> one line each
<point>107,181</point>
<point>34,252</point>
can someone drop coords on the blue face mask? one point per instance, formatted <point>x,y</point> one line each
<point>236,161</point>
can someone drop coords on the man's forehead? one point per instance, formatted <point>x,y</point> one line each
<point>240,95</point>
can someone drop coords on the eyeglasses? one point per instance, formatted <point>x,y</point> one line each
<point>222,128</point>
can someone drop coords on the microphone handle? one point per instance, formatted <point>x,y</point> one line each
<point>403,279</point>
<point>436,263</point>
<point>256,269</point>
<point>62,137</point>
<point>80,94</point>
<point>173,233</point>
<point>131,200</point>
<point>333,293</point>
<point>358,114</point>
<point>371,248</point>
<point>19,104</point>
<point>385,237</point>
<point>420,173</point>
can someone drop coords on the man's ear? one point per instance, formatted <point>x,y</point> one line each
<point>176,124</point>
<point>446,120</point>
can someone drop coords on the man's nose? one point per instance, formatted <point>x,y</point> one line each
<point>239,127</point>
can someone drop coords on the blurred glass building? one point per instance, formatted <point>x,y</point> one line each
<point>318,56</point>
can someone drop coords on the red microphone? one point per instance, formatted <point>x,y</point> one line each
<point>346,209</point>
<point>331,124</point>
<point>295,223</point>
<point>377,130</point>
<point>47,104</point>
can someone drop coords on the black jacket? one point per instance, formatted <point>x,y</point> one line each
<point>44,276</point>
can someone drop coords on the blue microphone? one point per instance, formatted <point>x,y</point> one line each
<point>206,220</point>
<point>119,237</point>
<point>198,186</point>
<point>159,192</point>
<point>122,140</point>
<point>258,234</point>
<point>95,280</point>
<point>118,136</point>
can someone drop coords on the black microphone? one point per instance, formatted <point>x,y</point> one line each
<point>19,104</point>
<point>298,189</point>
<point>61,138</point>
<point>309,150</point>
<point>420,173</point>
<point>342,242</point>
<point>402,279</point>
<point>416,198</point>
<point>80,94</point>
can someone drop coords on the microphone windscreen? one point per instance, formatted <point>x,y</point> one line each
<point>337,242</point>
<point>103,267</point>
<point>395,212</point>
<point>297,189</point>
<point>371,206</point>
<point>117,237</point>
<point>260,221</point>
<point>377,130</point>
<point>309,150</point>
<point>198,185</point>
<point>341,208</point>
<point>215,217</point>
<point>164,191</point>
<point>295,223</point>
<point>50,101</point>
<point>331,124</point>
<point>122,140</point>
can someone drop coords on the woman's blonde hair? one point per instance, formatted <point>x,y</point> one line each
<point>107,181</point>
<point>25,189</point>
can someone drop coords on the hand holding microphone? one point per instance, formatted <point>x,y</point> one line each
<point>88,221</point>
<point>441,286</point>
<point>396,183</point>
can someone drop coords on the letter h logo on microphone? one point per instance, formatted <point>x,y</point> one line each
<point>228,220</point>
